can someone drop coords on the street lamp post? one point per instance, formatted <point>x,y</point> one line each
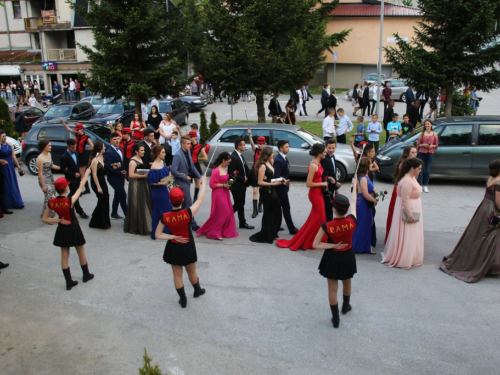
<point>379,68</point>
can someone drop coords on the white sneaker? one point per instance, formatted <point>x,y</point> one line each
<point>425,189</point>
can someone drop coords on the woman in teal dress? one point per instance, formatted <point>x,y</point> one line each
<point>159,190</point>
<point>364,238</point>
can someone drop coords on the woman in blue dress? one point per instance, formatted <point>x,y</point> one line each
<point>159,190</point>
<point>7,162</point>
<point>364,238</point>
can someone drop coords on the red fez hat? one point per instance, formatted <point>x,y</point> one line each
<point>61,183</point>
<point>78,126</point>
<point>261,140</point>
<point>126,130</point>
<point>176,196</point>
<point>340,202</point>
<point>193,134</point>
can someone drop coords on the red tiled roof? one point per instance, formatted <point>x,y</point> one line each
<point>371,10</point>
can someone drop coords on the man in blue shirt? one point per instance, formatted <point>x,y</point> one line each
<point>374,129</point>
<point>394,127</point>
<point>56,88</point>
<point>344,127</point>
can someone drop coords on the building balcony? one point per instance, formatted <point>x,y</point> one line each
<point>66,54</point>
<point>31,24</point>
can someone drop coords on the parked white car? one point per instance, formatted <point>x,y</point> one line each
<point>16,145</point>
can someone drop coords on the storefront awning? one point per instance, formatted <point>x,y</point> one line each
<point>9,70</point>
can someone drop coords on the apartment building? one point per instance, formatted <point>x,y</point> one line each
<point>358,56</point>
<point>38,41</point>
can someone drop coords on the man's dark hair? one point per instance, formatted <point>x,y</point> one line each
<point>237,142</point>
<point>331,141</point>
<point>282,142</point>
<point>282,114</point>
<point>148,132</point>
<point>71,142</point>
<point>114,135</point>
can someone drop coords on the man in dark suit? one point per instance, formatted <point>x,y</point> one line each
<point>330,173</point>
<point>149,136</point>
<point>113,162</point>
<point>410,98</point>
<point>423,98</point>
<point>184,172</point>
<point>282,169</point>
<point>275,107</point>
<point>69,165</point>
<point>305,98</point>
<point>238,169</point>
<point>388,113</point>
<point>324,100</point>
<point>366,99</point>
<point>332,103</point>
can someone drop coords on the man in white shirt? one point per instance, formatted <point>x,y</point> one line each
<point>329,125</point>
<point>154,102</point>
<point>300,110</point>
<point>144,111</point>
<point>375,97</point>
<point>344,127</point>
<point>72,89</point>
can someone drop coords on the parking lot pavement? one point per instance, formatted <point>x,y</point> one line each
<point>489,106</point>
<point>265,310</point>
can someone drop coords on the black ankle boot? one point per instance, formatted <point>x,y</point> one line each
<point>196,191</point>
<point>86,274</point>
<point>69,282</point>
<point>255,210</point>
<point>260,207</point>
<point>183,299</point>
<point>346,306</point>
<point>198,290</point>
<point>336,317</point>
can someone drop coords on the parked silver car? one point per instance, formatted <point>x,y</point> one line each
<point>300,140</point>
<point>16,145</point>
<point>398,87</point>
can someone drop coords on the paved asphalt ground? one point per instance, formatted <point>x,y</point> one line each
<point>265,310</point>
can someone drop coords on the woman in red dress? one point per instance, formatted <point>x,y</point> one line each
<point>305,236</point>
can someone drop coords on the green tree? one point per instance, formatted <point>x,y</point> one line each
<point>139,48</point>
<point>6,120</point>
<point>214,127</point>
<point>264,45</point>
<point>450,49</point>
<point>204,133</point>
<point>147,368</point>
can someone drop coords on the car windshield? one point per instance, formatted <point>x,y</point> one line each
<point>111,108</point>
<point>59,111</point>
<point>101,131</point>
<point>164,107</point>
<point>312,138</point>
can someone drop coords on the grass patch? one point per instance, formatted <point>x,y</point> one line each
<point>314,127</point>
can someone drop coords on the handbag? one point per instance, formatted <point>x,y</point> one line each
<point>168,148</point>
<point>416,215</point>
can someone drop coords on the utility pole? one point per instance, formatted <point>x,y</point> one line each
<point>379,68</point>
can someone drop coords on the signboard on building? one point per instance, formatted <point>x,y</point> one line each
<point>49,65</point>
<point>392,39</point>
<point>335,56</point>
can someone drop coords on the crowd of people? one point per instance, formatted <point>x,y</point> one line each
<point>151,167</point>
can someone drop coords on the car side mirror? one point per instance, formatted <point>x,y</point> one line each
<point>305,146</point>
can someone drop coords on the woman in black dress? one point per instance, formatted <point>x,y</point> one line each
<point>290,112</point>
<point>271,219</point>
<point>100,217</point>
<point>180,250</point>
<point>338,261</point>
<point>68,232</point>
<point>154,120</point>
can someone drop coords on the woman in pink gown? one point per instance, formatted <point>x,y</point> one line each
<point>305,236</point>
<point>221,223</point>
<point>405,244</point>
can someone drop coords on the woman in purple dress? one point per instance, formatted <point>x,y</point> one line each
<point>7,162</point>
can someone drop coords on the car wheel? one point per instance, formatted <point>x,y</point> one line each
<point>403,97</point>
<point>186,119</point>
<point>44,104</point>
<point>32,166</point>
<point>340,173</point>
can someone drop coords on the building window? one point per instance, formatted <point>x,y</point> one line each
<point>16,9</point>
<point>92,2</point>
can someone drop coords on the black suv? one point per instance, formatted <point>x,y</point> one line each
<point>57,134</point>
<point>115,112</point>
<point>68,112</point>
<point>179,110</point>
